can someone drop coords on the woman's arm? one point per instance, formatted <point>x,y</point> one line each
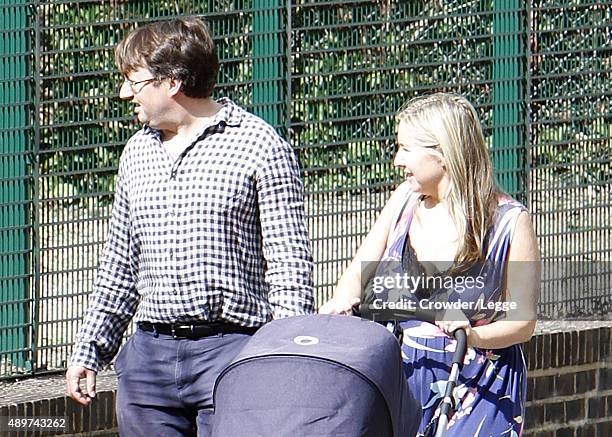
<point>523,288</point>
<point>349,288</point>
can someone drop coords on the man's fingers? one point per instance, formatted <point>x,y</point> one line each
<point>72,384</point>
<point>74,390</point>
<point>73,378</point>
<point>91,384</point>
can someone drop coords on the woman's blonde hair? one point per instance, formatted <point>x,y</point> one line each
<point>450,123</point>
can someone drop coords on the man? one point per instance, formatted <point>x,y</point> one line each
<point>207,239</point>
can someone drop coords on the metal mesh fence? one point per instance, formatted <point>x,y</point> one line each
<point>329,76</point>
<point>571,153</point>
<point>355,63</point>
<point>15,187</point>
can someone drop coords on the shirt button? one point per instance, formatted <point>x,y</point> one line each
<point>174,292</point>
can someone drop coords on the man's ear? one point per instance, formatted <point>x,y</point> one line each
<point>174,86</point>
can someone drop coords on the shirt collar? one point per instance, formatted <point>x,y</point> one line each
<point>229,115</point>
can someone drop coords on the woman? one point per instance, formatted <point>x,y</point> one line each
<point>449,222</point>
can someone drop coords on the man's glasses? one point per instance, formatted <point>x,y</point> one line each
<point>133,85</point>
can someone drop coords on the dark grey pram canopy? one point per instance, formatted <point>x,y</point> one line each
<point>316,375</point>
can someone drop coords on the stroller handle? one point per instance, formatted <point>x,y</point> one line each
<point>447,406</point>
<point>461,349</point>
<point>370,311</point>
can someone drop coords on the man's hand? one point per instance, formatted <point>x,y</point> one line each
<point>339,305</point>
<point>73,386</point>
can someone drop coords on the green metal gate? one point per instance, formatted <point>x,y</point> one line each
<point>15,187</point>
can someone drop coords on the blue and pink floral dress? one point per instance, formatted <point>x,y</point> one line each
<point>491,391</point>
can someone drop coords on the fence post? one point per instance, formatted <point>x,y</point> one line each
<point>15,184</point>
<point>268,56</point>
<point>509,96</point>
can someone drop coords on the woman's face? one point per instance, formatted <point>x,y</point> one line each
<point>423,167</point>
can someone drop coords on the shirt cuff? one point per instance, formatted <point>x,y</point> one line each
<point>86,355</point>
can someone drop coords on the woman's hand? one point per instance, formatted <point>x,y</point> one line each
<point>452,320</point>
<point>339,305</point>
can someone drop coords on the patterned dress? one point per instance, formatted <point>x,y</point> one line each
<point>491,391</point>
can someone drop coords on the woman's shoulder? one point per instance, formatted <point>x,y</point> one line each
<point>506,202</point>
<point>508,210</point>
<point>398,208</point>
<point>405,194</point>
<point>507,215</point>
<point>400,198</point>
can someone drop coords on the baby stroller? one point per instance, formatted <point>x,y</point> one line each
<point>316,375</point>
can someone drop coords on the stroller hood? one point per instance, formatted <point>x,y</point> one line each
<point>306,374</point>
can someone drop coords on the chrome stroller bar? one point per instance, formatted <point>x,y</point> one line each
<point>447,406</point>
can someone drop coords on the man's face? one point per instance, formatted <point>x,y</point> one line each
<point>148,95</point>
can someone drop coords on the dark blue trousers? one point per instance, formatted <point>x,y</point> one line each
<point>165,385</point>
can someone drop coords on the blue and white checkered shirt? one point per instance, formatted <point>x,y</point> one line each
<point>217,234</point>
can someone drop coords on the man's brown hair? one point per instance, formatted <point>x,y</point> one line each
<point>181,49</point>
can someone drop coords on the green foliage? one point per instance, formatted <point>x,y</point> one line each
<point>84,125</point>
<point>352,65</point>
<point>571,86</point>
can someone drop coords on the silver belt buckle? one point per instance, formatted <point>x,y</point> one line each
<point>174,328</point>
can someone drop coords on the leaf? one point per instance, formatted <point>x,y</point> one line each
<point>438,388</point>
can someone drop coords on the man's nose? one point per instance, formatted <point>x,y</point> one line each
<point>125,92</point>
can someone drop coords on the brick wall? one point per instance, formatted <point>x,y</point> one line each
<point>569,387</point>
<point>569,391</point>
<point>45,396</point>
<point>97,420</point>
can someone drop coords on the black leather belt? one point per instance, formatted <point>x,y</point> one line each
<point>183,330</point>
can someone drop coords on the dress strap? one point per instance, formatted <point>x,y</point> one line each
<point>501,235</point>
<point>404,214</point>
<point>400,223</point>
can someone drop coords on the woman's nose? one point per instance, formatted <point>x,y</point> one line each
<point>397,161</point>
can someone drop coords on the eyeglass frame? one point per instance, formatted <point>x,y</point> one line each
<point>145,81</point>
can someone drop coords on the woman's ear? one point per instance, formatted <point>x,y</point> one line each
<point>442,162</point>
